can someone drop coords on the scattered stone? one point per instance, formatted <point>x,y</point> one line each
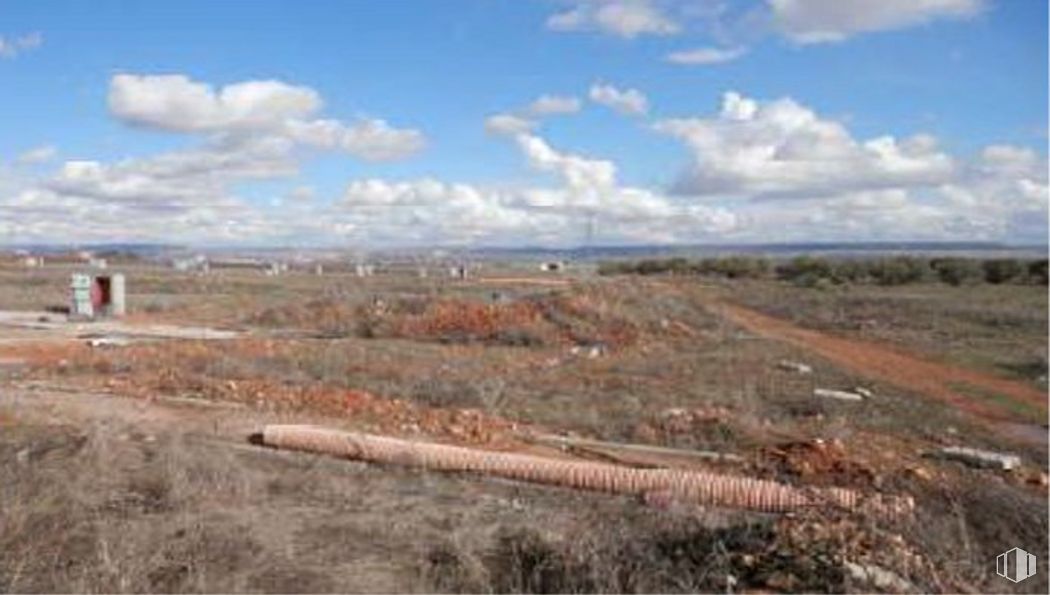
<point>796,367</point>
<point>107,342</point>
<point>22,456</point>
<point>920,473</point>
<point>880,578</point>
<point>840,395</point>
<point>984,459</point>
<point>864,392</point>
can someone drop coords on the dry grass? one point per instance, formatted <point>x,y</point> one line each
<point>114,508</point>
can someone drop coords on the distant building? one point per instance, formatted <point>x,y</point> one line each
<point>276,268</point>
<point>198,264</point>
<point>459,271</point>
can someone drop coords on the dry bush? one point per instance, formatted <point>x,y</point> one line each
<point>675,552</point>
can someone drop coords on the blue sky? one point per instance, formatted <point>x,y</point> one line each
<point>958,86</point>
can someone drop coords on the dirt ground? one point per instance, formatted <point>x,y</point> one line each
<point>124,465</point>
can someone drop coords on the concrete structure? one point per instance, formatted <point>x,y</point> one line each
<point>460,271</point>
<point>276,268</point>
<point>94,296</point>
<point>365,270</point>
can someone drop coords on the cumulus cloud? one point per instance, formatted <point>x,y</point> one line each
<point>794,175</point>
<point>178,104</point>
<point>508,124</point>
<point>578,172</point>
<point>546,105</point>
<point>373,140</point>
<point>12,47</point>
<point>821,21</point>
<point>37,155</point>
<point>631,102</point>
<point>623,18</point>
<point>527,118</point>
<point>432,211</point>
<point>179,180</point>
<point>705,56</point>
<point>782,148</point>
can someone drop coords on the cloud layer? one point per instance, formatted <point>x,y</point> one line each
<point>756,170</point>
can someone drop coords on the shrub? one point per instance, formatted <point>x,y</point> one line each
<point>1037,272</point>
<point>957,271</point>
<point>899,270</point>
<point>806,271</point>
<point>1001,270</point>
<point>735,267</point>
<point>854,271</point>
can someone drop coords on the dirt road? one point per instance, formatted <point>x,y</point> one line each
<point>984,395</point>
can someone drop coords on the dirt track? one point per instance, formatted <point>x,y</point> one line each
<point>907,371</point>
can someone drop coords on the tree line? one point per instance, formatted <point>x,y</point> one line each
<point>813,271</point>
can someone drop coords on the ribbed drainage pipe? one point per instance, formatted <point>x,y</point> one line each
<point>687,486</point>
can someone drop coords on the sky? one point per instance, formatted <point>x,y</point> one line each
<point>523,123</point>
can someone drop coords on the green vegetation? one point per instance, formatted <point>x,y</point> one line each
<point>818,272</point>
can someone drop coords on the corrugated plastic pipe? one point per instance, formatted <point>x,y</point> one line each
<point>687,486</point>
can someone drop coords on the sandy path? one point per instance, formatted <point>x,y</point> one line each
<point>901,369</point>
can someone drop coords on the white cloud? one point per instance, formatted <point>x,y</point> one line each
<point>623,18</point>
<point>631,102</point>
<point>781,148</point>
<point>546,105</point>
<point>431,211</point>
<point>373,140</point>
<point>12,47</point>
<point>37,155</point>
<point>705,56</point>
<point>177,181</point>
<point>579,173</point>
<point>528,118</point>
<point>821,21</point>
<point>176,103</point>
<point>508,124</point>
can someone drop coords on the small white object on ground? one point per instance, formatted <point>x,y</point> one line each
<point>797,367</point>
<point>840,395</point>
<point>108,342</point>
<point>880,578</point>
<point>981,458</point>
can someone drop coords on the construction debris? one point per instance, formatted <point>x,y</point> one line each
<point>108,341</point>
<point>796,367</point>
<point>685,486</point>
<point>840,395</point>
<point>604,448</point>
<point>984,459</point>
<point>864,392</point>
<point>880,578</point>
